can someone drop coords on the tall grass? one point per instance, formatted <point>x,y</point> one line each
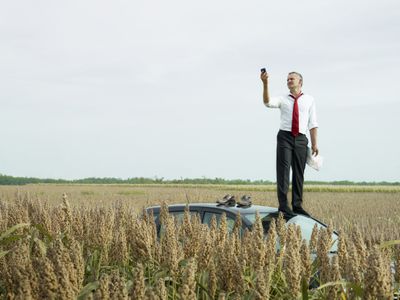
<point>65,251</point>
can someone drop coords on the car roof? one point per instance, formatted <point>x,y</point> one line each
<point>233,209</point>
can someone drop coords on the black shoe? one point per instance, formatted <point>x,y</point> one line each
<point>245,201</point>
<point>286,211</point>
<point>228,200</point>
<point>231,201</point>
<point>300,211</point>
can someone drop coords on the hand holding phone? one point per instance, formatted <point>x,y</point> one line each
<point>264,75</point>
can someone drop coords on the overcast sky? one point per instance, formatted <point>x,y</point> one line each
<point>172,89</point>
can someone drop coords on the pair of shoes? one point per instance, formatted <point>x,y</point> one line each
<point>300,211</point>
<point>228,200</point>
<point>286,211</point>
<point>245,201</point>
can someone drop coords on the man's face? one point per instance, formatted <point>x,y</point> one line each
<point>293,81</point>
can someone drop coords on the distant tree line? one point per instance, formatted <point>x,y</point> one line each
<point>11,180</point>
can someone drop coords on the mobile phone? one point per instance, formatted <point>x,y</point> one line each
<point>263,70</point>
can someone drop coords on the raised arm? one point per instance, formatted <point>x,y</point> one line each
<point>264,78</point>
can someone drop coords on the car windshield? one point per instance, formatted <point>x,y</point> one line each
<point>306,225</point>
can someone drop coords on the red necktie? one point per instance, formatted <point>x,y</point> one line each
<point>295,117</point>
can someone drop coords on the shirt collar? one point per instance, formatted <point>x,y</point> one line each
<point>291,96</point>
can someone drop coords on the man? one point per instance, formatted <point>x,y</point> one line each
<point>298,114</point>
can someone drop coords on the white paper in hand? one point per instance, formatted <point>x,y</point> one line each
<point>313,161</point>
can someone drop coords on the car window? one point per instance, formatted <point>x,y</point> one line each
<point>229,220</point>
<point>251,217</point>
<point>306,227</point>
<point>265,219</point>
<point>178,215</point>
<point>155,216</point>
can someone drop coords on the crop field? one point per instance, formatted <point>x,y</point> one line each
<point>92,242</point>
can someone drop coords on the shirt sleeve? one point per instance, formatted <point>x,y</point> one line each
<point>312,119</point>
<point>274,102</point>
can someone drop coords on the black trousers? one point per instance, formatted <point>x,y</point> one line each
<point>290,152</point>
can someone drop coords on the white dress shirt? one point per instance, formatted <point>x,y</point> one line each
<point>307,111</point>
